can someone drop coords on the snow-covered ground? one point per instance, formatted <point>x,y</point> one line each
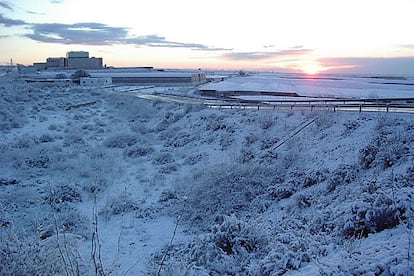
<point>96,181</point>
<point>322,86</point>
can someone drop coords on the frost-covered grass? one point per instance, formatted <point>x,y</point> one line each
<point>149,187</point>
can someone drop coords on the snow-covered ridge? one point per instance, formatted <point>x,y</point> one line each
<point>117,184</point>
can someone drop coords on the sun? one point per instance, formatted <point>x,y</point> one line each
<point>312,68</point>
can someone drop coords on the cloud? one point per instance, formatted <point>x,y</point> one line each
<point>7,22</point>
<point>92,33</point>
<point>367,65</point>
<point>251,56</point>
<point>80,33</point>
<point>101,34</point>
<point>407,46</point>
<point>6,6</point>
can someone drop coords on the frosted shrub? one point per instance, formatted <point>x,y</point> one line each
<point>266,122</point>
<point>138,151</point>
<point>163,158</point>
<point>226,140</point>
<point>391,154</point>
<point>231,247</point>
<point>181,139</point>
<point>193,159</point>
<point>41,161</point>
<point>25,141</point>
<point>364,218</point>
<point>61,194</point>
<point>121,140</point>
<point>281,260</point>
<point>72,139</point>
<point>169,168</point>
<point>384,214</point>
<point>268,142</point>
<point>268,157</point>
<point>350,126</point>
<point>46,138</point>
<point>343,175</point>
<point>169,119</point>
<point>31,256</point>
<point>249,139</point>
<point>120,204</point>
<point>315,177</point>
<point>246,155</point>
<point>228,190</point>
<point>367,156</point>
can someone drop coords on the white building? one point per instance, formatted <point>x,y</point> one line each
<point>88,81</point>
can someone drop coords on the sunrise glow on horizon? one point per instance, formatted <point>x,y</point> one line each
<point>320,36</point>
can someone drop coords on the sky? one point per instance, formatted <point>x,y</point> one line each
<point>310,36</point>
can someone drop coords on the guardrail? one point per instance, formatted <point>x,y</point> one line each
<point>339,104</point>
<point>382,105</point>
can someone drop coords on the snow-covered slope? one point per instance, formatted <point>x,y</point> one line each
<point>95,181</point>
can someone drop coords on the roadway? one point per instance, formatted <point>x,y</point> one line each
<point>401,105</point>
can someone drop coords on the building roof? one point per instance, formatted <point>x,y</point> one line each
<point>144,74</point>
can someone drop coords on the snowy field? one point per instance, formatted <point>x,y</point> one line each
<point>322,86</point>
<point>98,182</point>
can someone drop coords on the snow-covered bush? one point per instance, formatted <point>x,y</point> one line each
<point>343,175</point>
<point>138,151</point>
<point>266,122</point>
<point>163,158</point>
<point>268,157</point>
<point>288,252</point>
<point>315,177</point>
<point>168,168</point>
<point>231,247</point>
<point>250,139</point>
<point>25,141</point>
<point>246,155</point>
<point>120,140</point>
<point>181,139</point>
<point>226,140</point>
<point>378,214</point>
<point>46,138</point>
<point>367,156</point>
<point>228,189</point>
<point>41,161</point>
<point>61,194</point>
<point>268,142</point>
<point>168,120</point>
<point>73,139</point>
<point>350,126</point>
<point>56,255</point>
<point>194,159</point>
<point>120,204</point>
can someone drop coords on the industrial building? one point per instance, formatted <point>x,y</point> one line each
<point>153,77</point>
<point>73,60</point>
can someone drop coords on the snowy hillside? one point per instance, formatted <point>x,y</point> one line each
<point>95,181</point>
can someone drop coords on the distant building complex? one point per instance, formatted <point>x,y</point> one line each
<point>73,60</point>
<point>98,75</point>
